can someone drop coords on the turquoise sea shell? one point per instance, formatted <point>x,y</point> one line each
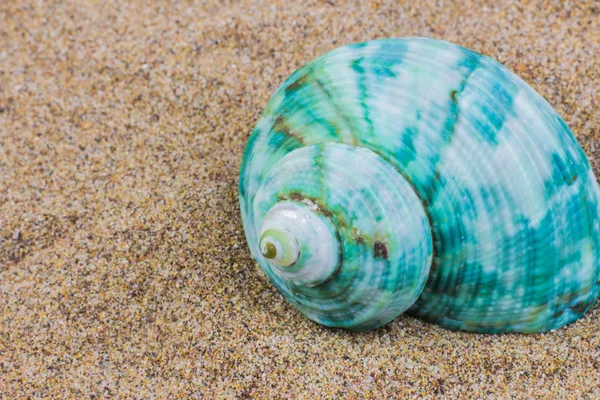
<point>416,175</point>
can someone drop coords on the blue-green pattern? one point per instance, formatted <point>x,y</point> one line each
<point>510,197</point>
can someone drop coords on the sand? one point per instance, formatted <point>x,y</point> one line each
<point>124,271</point>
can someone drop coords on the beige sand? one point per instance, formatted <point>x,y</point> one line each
<point>123,265</point>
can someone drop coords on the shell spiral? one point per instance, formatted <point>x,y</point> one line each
<point>416,175</point>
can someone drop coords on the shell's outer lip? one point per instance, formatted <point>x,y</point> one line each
<point>307,249</point>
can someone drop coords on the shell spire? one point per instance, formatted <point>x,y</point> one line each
<point>416,175</point>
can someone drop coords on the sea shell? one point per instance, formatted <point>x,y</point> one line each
<point>414,174</point>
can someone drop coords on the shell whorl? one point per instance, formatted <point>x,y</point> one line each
<point>368,213</point>
<point>301,245</point>
<point>485,202</point>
